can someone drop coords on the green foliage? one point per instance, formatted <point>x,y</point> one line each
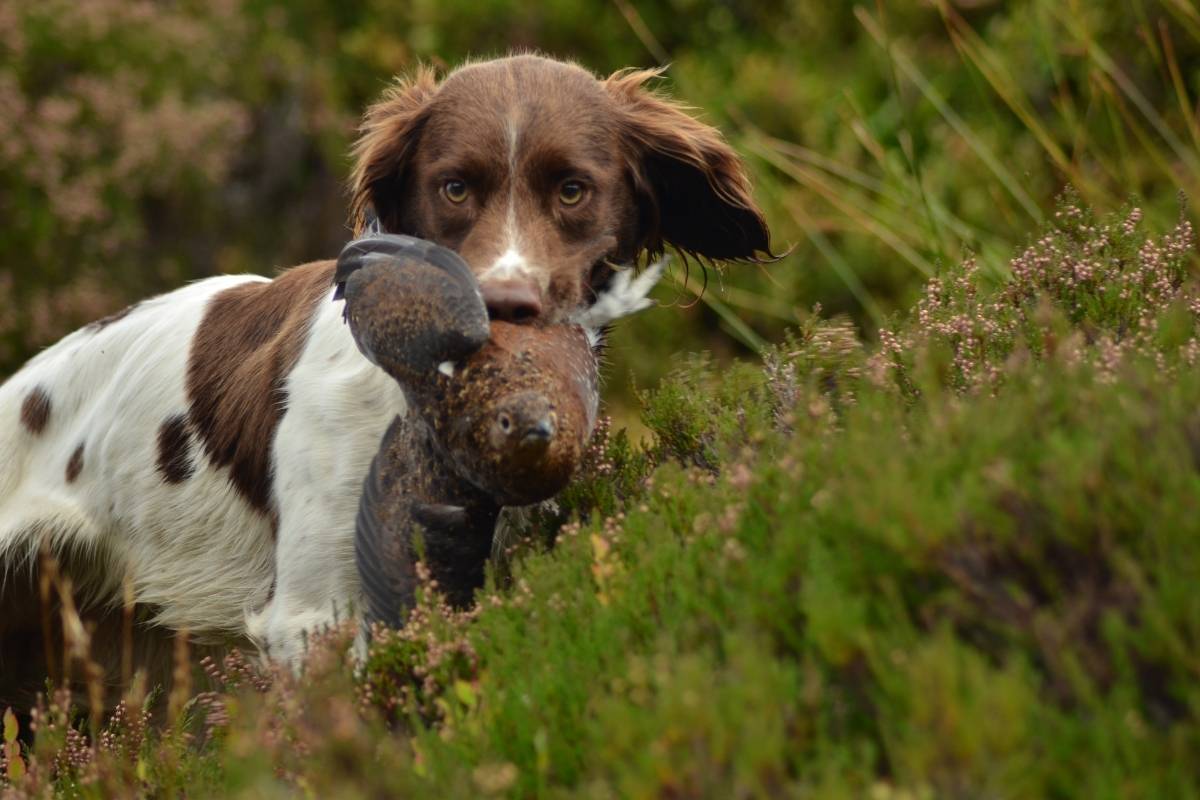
<point>1089,288</point>
<point>958,562</point>
<point>816,578</point>
<point>146,144</point>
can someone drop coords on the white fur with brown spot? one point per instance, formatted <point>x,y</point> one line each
<point>195,550</point>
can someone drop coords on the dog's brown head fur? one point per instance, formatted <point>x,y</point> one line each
<point>541,176</point>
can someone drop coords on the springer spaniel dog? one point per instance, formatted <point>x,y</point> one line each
<point>205,450</point>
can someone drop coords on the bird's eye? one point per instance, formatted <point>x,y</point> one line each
<point>455,190</point>
<point>570,193</point>
<point>505,423</point>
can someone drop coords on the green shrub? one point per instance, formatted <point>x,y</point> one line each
<point>843,572</point>
<point>959,561</point>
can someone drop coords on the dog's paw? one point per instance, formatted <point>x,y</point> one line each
<point>282,636</point>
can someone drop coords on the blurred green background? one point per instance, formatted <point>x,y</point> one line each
<point>143,144</point>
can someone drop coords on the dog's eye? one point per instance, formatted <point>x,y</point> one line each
<point>570,193</point>
<point>455,190</point>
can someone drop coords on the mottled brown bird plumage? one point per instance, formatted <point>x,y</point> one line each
<point>499,415</point>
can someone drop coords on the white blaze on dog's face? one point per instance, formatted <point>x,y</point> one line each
<point>542,177</point>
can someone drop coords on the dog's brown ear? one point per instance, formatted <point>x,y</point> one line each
<point>693,187</point>
<point>386,142</point>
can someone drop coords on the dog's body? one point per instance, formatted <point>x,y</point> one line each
<point>209,446</point>
<point>208,482</point>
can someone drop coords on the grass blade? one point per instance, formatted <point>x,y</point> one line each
<point>914,74</point>
<point>737,327</point>
<point>818,184</point>
<point>970,45</point>
<point>1123,82</point>
<point>1185,103</point>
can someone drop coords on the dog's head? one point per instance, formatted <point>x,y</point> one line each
<point>543,177</point>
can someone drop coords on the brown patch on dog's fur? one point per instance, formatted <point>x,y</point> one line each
<point>35,410</point>
<point>246,345</point>
<point>692,187</point>
<point>75,464</point>
<point>390,130</point>
<point>174,450</point>
<point>514,131</point>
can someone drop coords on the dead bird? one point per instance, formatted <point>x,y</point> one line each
<point>499,414</point>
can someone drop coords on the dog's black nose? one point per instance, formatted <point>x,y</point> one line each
<point>512,300</point>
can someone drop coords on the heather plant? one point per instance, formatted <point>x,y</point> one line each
<point>407,670</point>
<point>1087,289</point>
<point>148,144</point>
<point>127,132</point>
<point>848,570</point>
<point>948,551</point>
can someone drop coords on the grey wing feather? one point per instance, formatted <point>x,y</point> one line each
<point>376,247</point>
<point>382,563</point>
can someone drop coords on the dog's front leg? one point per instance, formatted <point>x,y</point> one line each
<point>338,407</point>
